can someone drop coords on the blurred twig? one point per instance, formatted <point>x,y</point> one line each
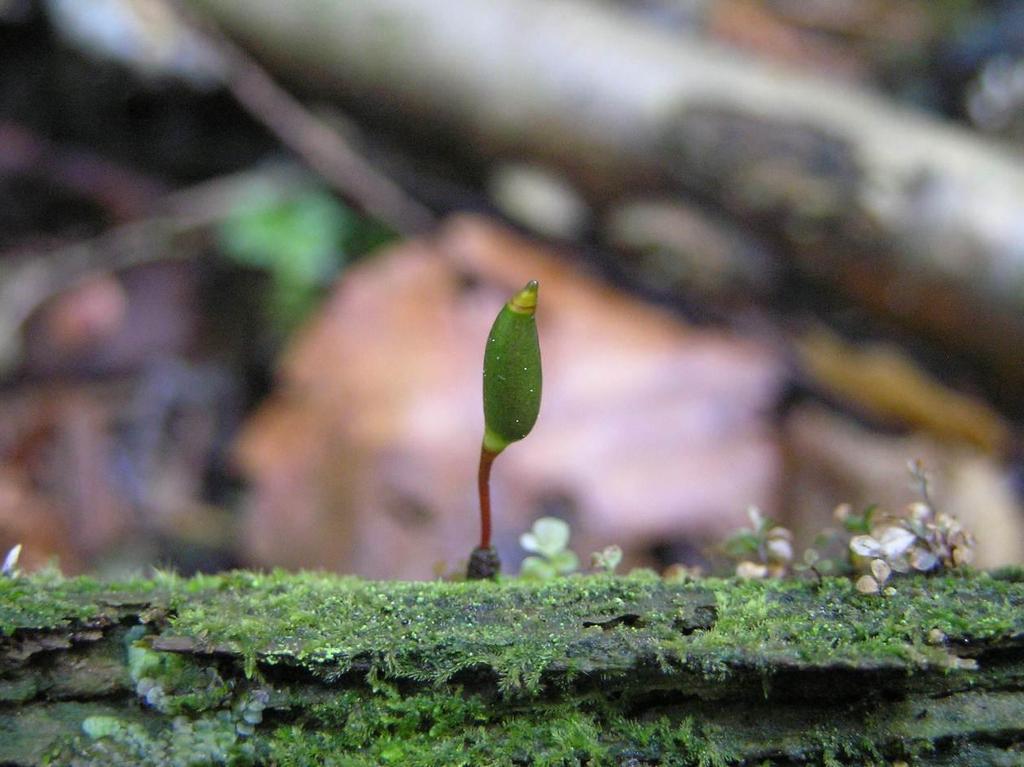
<point>316,142</point>
<point>123,193</point>
<point>29,279</point>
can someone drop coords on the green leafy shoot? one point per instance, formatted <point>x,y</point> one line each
<point>548,541</point>
<point>301,241</point>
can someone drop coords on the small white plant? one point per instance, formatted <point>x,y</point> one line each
<point>547,540</point>
<point>764,549</point>
<point>607,559</point>
<point>9,569</point>
<point>922,540</point>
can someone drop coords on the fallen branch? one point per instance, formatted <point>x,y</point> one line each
<point>313,140</point>
<point>862,194</point>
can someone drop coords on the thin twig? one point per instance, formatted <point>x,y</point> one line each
<point>29,279</point>
<point>316,142</point>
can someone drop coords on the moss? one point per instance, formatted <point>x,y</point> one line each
<point>48,601</point>
<point>433,631</point>
<point>526,632</point>
<point>206,729</point>
<point>583,670</point>
<point>1012,573</point>
<point>28,732</point>
<point>430,632</point>
<point>467,729</point>
<point>521,630</point>
<point>211,740</point>
<point>174,684</point>
<point>795,622</point>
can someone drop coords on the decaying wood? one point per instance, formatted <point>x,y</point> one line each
<point>251,668</point>
<point>864,195</point>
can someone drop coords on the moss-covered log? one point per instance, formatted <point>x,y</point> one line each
<point>314,669</point>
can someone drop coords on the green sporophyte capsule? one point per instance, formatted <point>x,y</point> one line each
<point>512,374</point>
<point>512,389</point>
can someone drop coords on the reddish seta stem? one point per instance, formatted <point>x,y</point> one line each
<point>484,486</point>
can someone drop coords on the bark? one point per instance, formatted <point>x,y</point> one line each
<point>315,669</point>
<point>865,195</point>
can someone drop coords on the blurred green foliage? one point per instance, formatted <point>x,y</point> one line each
<point>301,241</point>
